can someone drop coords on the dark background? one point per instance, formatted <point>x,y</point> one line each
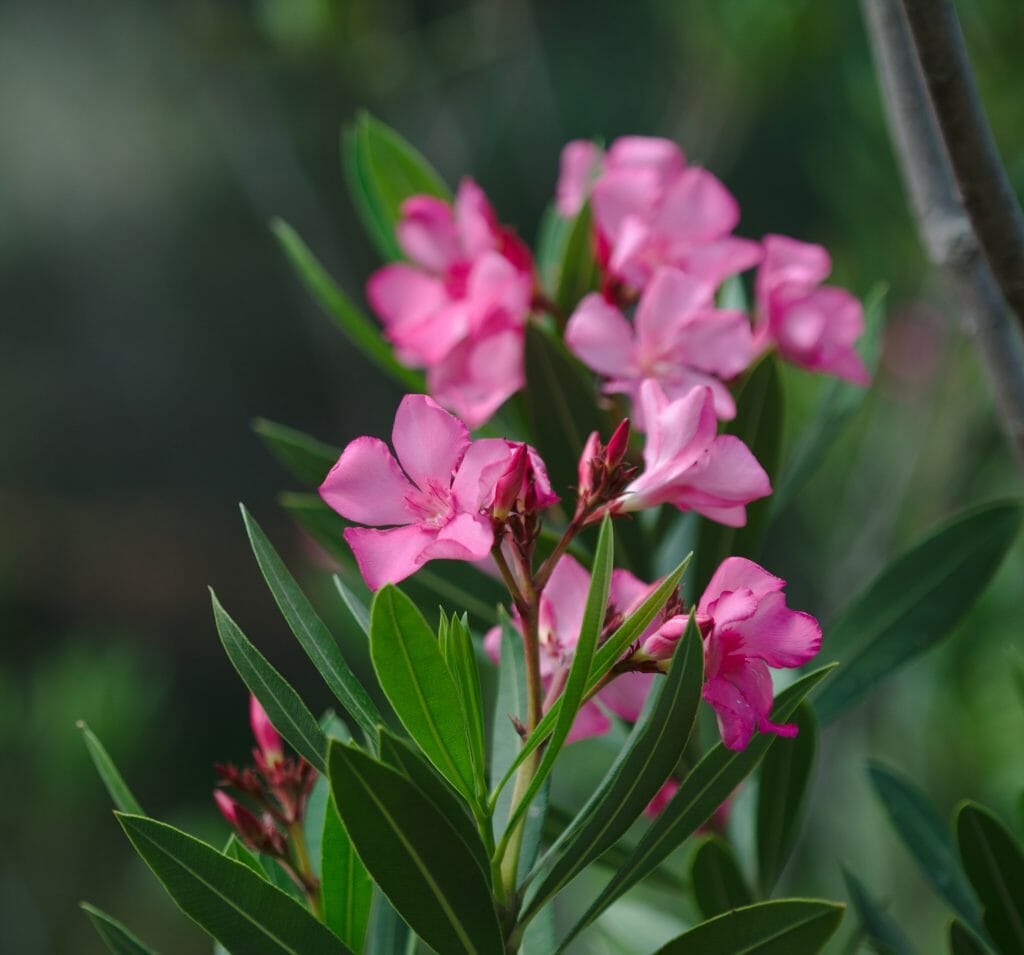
<point>147,316</point>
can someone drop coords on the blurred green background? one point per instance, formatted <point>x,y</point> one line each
<point>148,316</point>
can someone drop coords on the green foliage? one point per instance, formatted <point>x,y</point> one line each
<point>116,937</point>
<point>718,883</point>
<point>117,788</point>
<point>305,458</point>
<point>238,908</point>
<point>457,649</point>
<point>880,928</point>
<point>916,601</point>
<point>438,886</point>
<point>964,942</point>
<point>768,928</point>
<point>346,886</point>
<point>577,272</point>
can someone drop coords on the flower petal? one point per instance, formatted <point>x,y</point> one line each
<point>367,485</point>
<point>647,152</point>
<point>779,636</point>
<point>386,557</point>
<point>428,440</point>
<point>399,293</point>
<point>464,537</point>
<point>579,161</point>
<point>626,694</point>
<point>599,335</point>
<point>475,219</point>
<point>426,233</point>
<point>590,721</point>
<point>697,206</point>
<point>738,573</point>
<point>670,299</point>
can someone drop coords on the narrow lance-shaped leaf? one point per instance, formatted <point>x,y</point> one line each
<point>116,937</point>
<point>703,790</point>
<point>288,714</point>
<point>461,660</point>
<point>358,610</point>
<point>111,777</point>
<point>388,933</point>
<point>417,683</point>
<point>576,682</point>
<point>994,862</point>
<point>509,705</point>
<point>785,927</point>
<point>578,272</point>
<point>916,601</point>
<point>304,457</point>
<point>718,883</point>
<point>359,330</point>
<point>648,757</point>
<point>927,836</point>
<point>962,941</point>
<point>782,790</point>
<point>244,912</point>
<point>311,632</point>
<point>414,855</point>
<point>879,927</point>
<point>346,886</point>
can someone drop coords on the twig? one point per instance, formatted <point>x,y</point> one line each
<point>943,223</point>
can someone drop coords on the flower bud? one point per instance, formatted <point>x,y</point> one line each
<point>267,738</point>
<point>588,461</point>
<point>618,444</point>
<point>509,488</point>
<point>661,644</point>
<point>244,822</point>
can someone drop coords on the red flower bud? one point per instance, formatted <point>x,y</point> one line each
<point>267,738</point>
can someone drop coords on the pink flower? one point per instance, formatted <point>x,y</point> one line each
<point>579,163</point>
<point>689,465</point>
<point>651,209</point>
<point>459,306</point>
<point>678,338</point>
<point>747,629</point>
<point>267,738</point>
<point>662,798</point>
<point>814,326</point>
<point>432,498</point>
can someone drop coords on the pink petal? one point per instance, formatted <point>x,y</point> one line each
<point>671,298</point>
<point>477,224</point>
<point>475,480</point>
<point>626,694</point>
<point>590,721</point>
<point>685,379</point>
<point>465,537</point>
<point>634,252</point>
<point>661,155</point>
<point>429,442</point>
<point>427,338</point>
<point>400,293</point>
<point>736,718</point>
<point>789,261</point>
<point>679,431</point>
<point>367,485</point>
<point>697,206</point>
<point>492,644</point>
<point>718,341</point>
<point>627,591</point>
<point>495,283</point>
<point>715,261</point>
<point>599,335</point>
<point>738,573</point>
<point>728,474</point>
<point>623,192</point>
<point>426,233</point>
<point>386,557</point>
<point>566,595</point>
<point>779,636</point>
<point>579,161</point>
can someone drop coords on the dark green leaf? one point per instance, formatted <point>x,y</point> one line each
<point>760,409</point>
<point>916,601</point>
<point>785,927</point>
<point>703,790</point>
<point>117,788</point>
<point>388,934</point>
<point>416,680</point>
<point>926,835</point>
<point>573,694</point>
<point>994,862</point>
<point>879,927</point>
<point>647,758</point>
<point>312,632</point>
<point>509,705</point>
<point>414,855</point>
<point>962,941</point>
<point>359,329</point>
<point>244,912</point>
<point>552,237</point>
<point>560,404</point>
<point>785,778</point>
<point>718,883</point>
<point>578,272</point>
<point>305,458</point>
<point>461,660</point>
<point>234,849</point>
<point>117,938</point>
<point>288,714</point>
<point>346,886</point>
<point>358,610</point>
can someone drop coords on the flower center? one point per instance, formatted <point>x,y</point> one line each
<point>433,504</point>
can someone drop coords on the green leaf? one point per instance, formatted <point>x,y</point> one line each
<point>648,756</point>
<point>359,329</point>
<point>305,458</point>
<point>414,855</point>
<point>916,601</point>
<point>117,788</point>
<point>552,237</point>
<point>839,402</point>
<point>879,927</point>
<point>560,405</point>
<point>962,941</point>
<point>785,779</point>
<point>117,938</point>
<point>510,704</point>
<point>244,912</point>
<point>760,409</point>
<point>576,682</point>
<point>416,680</point>
<point>994,862</point>
<point>718,883</point>
<point>785,927</point>
<point>234,849</point>
<point>388,934</point>
<point>605,658</point>
<point>288,714</point>
<point>578,272</point>
<point>383,170</point>
<point>311,632</point>
<point>926,835</point>
<point>461,659</point>
<point>358,610</point>
<point>346,886</point>
<point>403,756</point>
<point>703,790</point>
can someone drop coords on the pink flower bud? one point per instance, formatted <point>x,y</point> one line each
<point>588,459</point>
<point>242,820</point>
<point>267,738</point>
<point>661,644</point>
<point>662,798</point>
<point>617,444</point>
<point>510,486</point>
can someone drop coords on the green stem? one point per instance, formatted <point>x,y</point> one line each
<point>304,867</point>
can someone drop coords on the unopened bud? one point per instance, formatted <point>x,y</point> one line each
<point>588,461</point>
<point>267,738</point>
<point>618,444</point>
<point>509,488</point>
<point>661,644</point>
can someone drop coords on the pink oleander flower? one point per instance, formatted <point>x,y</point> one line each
<point>662,798</point>
<point>435,499</point>
<point>652,209</point>
<point>268,740</point>
<point>677,338</point>
<point>458,307</point>
<point>748,628</point>
<point>813,325</point>
<point>689,465</point>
